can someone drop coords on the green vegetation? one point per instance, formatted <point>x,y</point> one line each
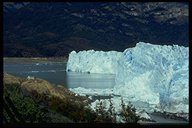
<point>79,113</point>
<point>109,115</point>
<point>75,111</point>
<point>128,113</point>
<point>28,109</point>
<point>23,104</point>
<point>104,116</point>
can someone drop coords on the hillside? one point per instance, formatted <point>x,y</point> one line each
<point>38,101</point>
<point>55,29</point>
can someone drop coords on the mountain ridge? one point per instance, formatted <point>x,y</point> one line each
<point>55,29</point>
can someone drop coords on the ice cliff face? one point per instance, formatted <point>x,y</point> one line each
<point>93,61</point>
<point>154,74</point>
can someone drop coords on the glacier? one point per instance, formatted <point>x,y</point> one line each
<point>155,74</point>
<point>147,73</point>
<point>93,61</point>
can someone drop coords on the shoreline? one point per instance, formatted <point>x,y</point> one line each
<point>27,60</point>
<point>159,118</point>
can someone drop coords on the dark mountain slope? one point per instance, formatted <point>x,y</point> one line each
<point>55,29</point>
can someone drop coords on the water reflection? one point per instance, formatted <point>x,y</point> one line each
<point>55,73</point>
<point>92,80</point>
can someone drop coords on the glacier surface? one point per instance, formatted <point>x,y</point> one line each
<point>147,73</point>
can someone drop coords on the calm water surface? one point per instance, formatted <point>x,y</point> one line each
<point>56,73</point>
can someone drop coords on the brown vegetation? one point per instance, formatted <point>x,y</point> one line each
<point>55,104</point>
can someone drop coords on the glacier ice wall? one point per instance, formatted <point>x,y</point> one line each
<point>155,74</point>
<point>93,61</point>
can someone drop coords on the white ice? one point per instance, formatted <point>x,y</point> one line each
<point>145,74</point>
<point>93,61</point>
<point>154,74</point>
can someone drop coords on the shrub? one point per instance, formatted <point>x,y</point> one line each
<point>73,110</point>
<point>128,113</point>
<point>103,115</point>
<point>26,106</point>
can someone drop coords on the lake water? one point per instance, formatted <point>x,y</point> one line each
<point>56,73</point>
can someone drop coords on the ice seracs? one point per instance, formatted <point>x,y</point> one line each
<point>154,74</point>
<point>147,73</point>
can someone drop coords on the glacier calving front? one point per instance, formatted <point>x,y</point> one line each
<point>93,61</point>
<point>155,74</point>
